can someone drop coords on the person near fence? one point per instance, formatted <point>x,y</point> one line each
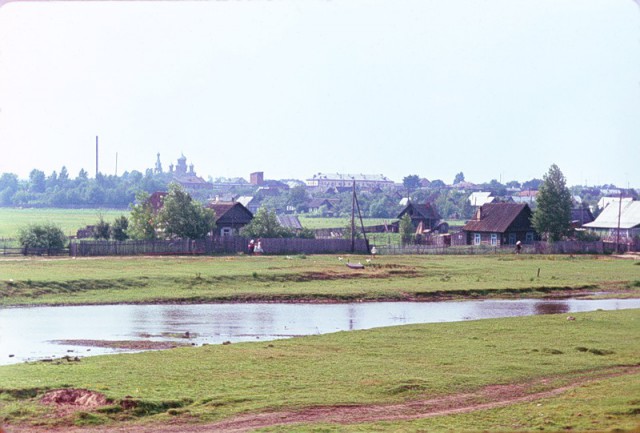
<point>251,246</point>
<point>518,247</point>
<point>258,249</point>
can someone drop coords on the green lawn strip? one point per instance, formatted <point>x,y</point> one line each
<point>362,367</point>
<point>69,220</point>
<point>319,277</point>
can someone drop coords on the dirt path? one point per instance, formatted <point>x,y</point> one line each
<point>490,397</point>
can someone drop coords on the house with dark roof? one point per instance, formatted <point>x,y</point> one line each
<point>424,216</point>
<point>230,217</point>
<point>315,204</point>
<point>581,216</point>
<point>499,224</point>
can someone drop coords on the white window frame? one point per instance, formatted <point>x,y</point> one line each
<point>528,237</point>
<point>494,239</point>
<point>226,231</point>
<point>477,239</point>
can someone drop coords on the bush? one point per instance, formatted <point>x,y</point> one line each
<point>47,236</point>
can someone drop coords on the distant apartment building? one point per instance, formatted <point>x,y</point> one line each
<point>364,181</point>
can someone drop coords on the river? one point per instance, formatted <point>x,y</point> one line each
<point>33,333</point>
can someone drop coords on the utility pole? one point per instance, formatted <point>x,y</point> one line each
<point>618,231</point>
<point>97,157</point>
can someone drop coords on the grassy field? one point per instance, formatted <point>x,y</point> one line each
<point>70,220</point>
<point>66,280</point>
<point>392,365</point>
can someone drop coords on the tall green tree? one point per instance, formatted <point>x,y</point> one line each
<point>411,182</point>
<point>459,178</point>
<point>119,228</point>
<point>265,225</point>
<point>552,217</point>
<point>407,231</point>
<point>143,220</point>
<point>102,229</point>
<point>37,181</point>
<point>184,217</point>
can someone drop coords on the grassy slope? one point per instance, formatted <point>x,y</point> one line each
<point>70,220</point>
<point>198,279</point>
<point>374,366</point>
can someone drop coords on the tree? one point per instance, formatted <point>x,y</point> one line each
<point>297,197</point>
<point>459,178</point>
<point>532,184</point>
<point>119,228</point>
<point>265,225</point>
<point>435,184</point>
<point>47,236</point>
<point>102,229</point>
<point>143,220</point>
<point>407,231</point>
<point>411,182</point>
<point>36,181</point>
<point>184,217</point>
<point>553,213</point>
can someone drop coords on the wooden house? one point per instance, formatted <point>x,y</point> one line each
<point>499,224</point>
<point>423,215</point>
<point>230,217</point>
<point>315,204</point>
<point>621,218</point>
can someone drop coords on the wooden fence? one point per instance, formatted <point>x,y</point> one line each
<point>215,245</point>
<point>563,247</point>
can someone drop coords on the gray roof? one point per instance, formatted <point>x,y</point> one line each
<point>479,198</point>
<point>608,218</point>
<point>356,177</point>
<point>289,221</point>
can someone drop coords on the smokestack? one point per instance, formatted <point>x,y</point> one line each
<point>97,156</point>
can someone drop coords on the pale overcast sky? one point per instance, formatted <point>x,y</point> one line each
<point>498,89</point>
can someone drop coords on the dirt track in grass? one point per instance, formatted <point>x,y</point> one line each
<point>489,397</point>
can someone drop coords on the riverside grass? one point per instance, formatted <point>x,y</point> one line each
<point>319,278</point>
<point>386,365</point>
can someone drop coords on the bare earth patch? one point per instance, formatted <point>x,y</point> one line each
<point>489,397</point>
<point>126,344</point>
<point>74,397</point>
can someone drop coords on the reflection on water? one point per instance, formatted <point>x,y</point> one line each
<point>551,308</point>
<point>28,333</point>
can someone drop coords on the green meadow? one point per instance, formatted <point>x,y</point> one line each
<point>60,281</point>
<point>69,220</point>
<point>596,357</point>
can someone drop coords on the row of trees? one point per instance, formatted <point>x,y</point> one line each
<point>60,190</point>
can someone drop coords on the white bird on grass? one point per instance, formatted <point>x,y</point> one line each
<point>340,258</point>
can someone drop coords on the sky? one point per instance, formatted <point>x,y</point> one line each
<point>496,89</point>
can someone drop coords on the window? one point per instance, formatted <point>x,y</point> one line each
<point>512,238</point>
<point>494,239</point>
<point>477,238</point>
<point>226,231</point>
<point>528,238</point>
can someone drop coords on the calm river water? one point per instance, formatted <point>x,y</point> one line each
<point>28,334</point>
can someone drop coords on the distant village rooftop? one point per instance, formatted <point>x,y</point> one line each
<point>346,179</point>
